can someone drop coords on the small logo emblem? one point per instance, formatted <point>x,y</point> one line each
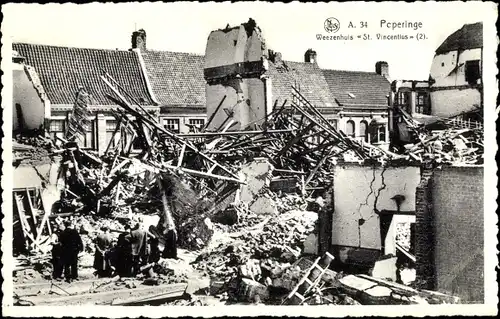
<point>332,25</point>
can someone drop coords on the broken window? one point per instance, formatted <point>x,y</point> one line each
<point>172,125</point>
<point>110,129</point>
<point>363,127</point>
<point>422,105</point>
<point>86,140</point>
<point>472,72</point>
<point>56,128</point>
<point>378,134</point>
<point>199,123</point>
<point>403,101</point>
<point>350,127</point>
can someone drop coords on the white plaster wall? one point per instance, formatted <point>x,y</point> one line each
<point>355,191</point>
<point>26,95</point>
<point>27,176</point>
<point>221,49</point>
<point>447,103</point>
<point>214,95</point>
<point>257,96</point>
<point>441,73</point>
<point>226,48</point>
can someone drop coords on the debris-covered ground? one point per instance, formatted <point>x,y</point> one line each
<point>245,208</point>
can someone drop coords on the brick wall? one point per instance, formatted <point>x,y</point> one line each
<point>424,239</point>
<point>458,205</point>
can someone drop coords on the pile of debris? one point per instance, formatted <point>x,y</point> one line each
<point>451,144</point>
<point>203,184</point>
<point>458,147</point>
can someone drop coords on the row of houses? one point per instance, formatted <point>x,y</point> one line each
<point>172,86</point>
<point>179,88</point>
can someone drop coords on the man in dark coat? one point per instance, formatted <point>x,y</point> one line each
<point>122,256</point>
<point>71,246</point>
<point>57,262</point>
<point>138,240</point>
<point>103,243</point>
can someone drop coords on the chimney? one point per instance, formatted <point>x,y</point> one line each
<point>139,40</point>
<point>382,68</point>
<point>310,56</point>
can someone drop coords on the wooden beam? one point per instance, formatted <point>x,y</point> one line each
<point>123,103</point>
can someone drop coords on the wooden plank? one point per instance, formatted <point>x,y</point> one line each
<point>100,297</point>
<point>181,156</point>
<point>321,162</point>
<point>123,103</point>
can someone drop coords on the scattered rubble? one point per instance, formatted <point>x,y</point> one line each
<point>209,185</point>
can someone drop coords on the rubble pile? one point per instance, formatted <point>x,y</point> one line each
<point>207,183</point>
<point>459,147</point>
<point>452,144</point>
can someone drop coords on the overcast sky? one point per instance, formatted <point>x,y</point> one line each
<point>288,28</point>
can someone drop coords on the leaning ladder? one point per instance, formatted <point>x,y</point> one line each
<point>307,283</point>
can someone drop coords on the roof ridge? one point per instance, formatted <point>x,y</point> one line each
<point>178,52</point>
<point>70,47</point>
<point>351,71</point>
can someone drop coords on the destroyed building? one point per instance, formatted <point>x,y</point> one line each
<point>171,85</point>
<point>289,173</point>
<point>455,84</point>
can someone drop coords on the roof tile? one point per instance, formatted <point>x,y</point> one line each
<point>470,36</point>
<point>307,77</point>
<point>63,70</point>
<point>176,78</point>
<point>353,88</point>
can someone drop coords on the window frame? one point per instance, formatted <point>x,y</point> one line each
<point>166,125</point>
<point>353,134</point>
<point>365,136</point>
<point>467,73</point>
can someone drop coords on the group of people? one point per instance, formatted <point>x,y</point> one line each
<point>124,257</point>
<point>66,245</point>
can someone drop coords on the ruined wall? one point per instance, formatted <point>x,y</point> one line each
<point>458,210</point>
<point>448,71</point>
<point>447,103</point>
<point>234,64</point>
<point>358,191</point>
<point>244,103</point>
<point>28,176</point>
<point>25,94</point>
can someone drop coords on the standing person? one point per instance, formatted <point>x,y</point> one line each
<point>154,250</point>
<point>170,249</point>
<point>102,249</point>
<point>138,240</point>
<point>57,262</point>
<point>123,256</point>
<point>71,246</point>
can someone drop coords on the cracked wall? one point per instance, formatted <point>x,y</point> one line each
<point>361,191</point>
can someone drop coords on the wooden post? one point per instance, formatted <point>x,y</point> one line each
<point>169,220</point>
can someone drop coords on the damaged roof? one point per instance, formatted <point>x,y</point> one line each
<point>176,78</point>
<point>470,36</point>
<point>305,76</point>
<point>63,70</point>
<point>356,88</point>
